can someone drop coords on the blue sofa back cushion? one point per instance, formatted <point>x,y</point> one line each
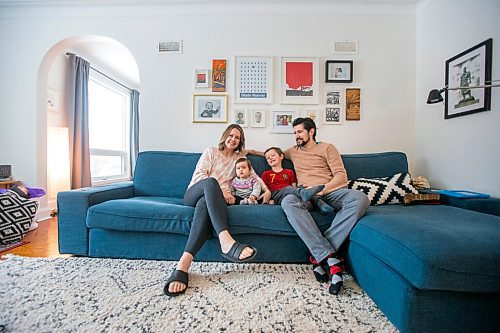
<point>167,174</point>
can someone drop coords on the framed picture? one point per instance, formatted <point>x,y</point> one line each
<point>241,117</point>
<point>338,71</point>
<point>313,114</point>
<point>299,80</point>
<point>353,104</point>
<point>219,75</point>
<point>202,78</point>
<point>332,97</point>
<point>209,108</point>
<point>258,118</point>
<point>333,115</point>
<point>254,80</point>
<point>282,121</point>
<point>469,68</point>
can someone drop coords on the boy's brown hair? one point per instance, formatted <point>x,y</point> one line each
<point>277,149</point>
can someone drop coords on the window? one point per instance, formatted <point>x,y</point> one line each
<point>109,130</point>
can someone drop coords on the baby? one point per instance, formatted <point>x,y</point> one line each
<point>282,182</point>
<point>245,188</point>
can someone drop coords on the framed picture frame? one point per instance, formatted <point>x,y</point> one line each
<point>282,121</point>
<point>219,75</point>
<point>339,71</point>
<point>258,118</point>
<point>299,80</point>
<point>254,80</point>
<point>209,108</point>
<point>353,104</point>
<point>241,117</point>
<point>313,114</point>
<point>202,78</point>
<point>469,68</point>
<point>333,96</point>
<point>333,115</point>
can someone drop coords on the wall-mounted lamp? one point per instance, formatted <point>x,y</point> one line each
<point>435,95</point>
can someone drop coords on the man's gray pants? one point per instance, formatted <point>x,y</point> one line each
<point>350,206</point>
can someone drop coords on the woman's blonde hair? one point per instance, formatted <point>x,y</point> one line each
<point>226,133</point>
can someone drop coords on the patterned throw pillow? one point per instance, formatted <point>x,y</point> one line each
<point>387,190</point>
<point>16,216</point>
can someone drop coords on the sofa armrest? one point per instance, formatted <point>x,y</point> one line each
<point>488,206</point>
<point>72,207</point>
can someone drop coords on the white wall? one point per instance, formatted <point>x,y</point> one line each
<point>462,152</point>
<point>384,70</point>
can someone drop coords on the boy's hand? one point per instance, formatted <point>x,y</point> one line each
<point>266,196</point>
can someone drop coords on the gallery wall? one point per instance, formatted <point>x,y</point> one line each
<point>461,153</point>
<point>384,70</point>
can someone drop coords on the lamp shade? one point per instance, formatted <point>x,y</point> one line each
<point>434,96</point>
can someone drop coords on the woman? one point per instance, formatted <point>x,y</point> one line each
<point>209,194</point>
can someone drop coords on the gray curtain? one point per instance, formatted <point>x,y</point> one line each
<point>78,121</point>
<point>134,129</point>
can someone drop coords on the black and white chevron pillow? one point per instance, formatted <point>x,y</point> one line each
<point>16,216</point>
<point>387,190</point>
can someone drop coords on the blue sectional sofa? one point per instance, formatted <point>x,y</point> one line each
<point>430,268</point>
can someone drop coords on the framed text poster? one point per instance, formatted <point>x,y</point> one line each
<point>254,80</point>
<point>218,75</point>
<point>299,81</point>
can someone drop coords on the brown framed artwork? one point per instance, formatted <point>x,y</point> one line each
<point>469,68</point>
<point>352,104</point>
<point>339,71</point>
<point>218,75</point>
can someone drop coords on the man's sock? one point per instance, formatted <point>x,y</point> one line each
<point>336,268</point>
<point>319,271</point>
<point>307,193</point>
<point>323,207</point>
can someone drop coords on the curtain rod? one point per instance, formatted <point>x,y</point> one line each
<point>98,71</point>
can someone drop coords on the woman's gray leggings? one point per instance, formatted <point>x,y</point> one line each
<point>210,212</point>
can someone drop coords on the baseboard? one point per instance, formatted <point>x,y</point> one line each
<point>43,214</point>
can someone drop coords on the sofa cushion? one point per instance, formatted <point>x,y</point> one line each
<point>385,190</point>
<point>434,246</point>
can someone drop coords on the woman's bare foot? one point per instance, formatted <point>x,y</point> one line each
<point>227,241</point>
<point>183,265</point>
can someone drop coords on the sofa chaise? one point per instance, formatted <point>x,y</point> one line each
<point>430,268</point>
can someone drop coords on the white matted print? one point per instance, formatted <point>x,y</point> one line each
<point>333,115</point>
<point>299,80</point>
<point>313,114</point>
<point>202,78</point>
<point>258,118</point>
<point>333,97</point>
<point>241,117</point>
<point>209,108</point>
<point>254,80</point>
<point>282,121</point>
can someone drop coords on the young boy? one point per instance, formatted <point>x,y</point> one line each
<point>282,182</point>
<point>245,187</point>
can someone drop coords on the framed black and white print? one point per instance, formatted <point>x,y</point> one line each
<point>209,108</point>
<point>467,69</point>
<point>339,71</point>
<point>254,80</point>
<point>241,117</point>
<point>333,115</point>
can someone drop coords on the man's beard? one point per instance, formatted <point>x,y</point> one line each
<point>301,142</point>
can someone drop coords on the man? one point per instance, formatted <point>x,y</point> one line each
<point>317,164</point>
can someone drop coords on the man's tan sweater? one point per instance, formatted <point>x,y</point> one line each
<point>320,164</point>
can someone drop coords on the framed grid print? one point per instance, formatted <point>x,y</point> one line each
<point>254,80</point>
<point>209,108</point>
<point>299,80</point>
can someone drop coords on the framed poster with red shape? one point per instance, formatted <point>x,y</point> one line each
<point>299,80</point>
<point>218,75</point>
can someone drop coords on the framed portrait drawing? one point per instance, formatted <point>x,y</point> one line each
<point>282,121</point>
<point>254,80</point>
<point>338,71</point>
<point>209,108</point>
<point>469,68</point>
<point>333,115</point>
<point>299,80</point>
<point>202,78</point>
<point>258,118</point>
<point>241,117</point>
<point>218,75</point>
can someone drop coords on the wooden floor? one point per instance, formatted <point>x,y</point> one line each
<point>42,241</point>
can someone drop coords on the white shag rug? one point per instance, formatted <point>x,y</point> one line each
<point>117,295</point>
